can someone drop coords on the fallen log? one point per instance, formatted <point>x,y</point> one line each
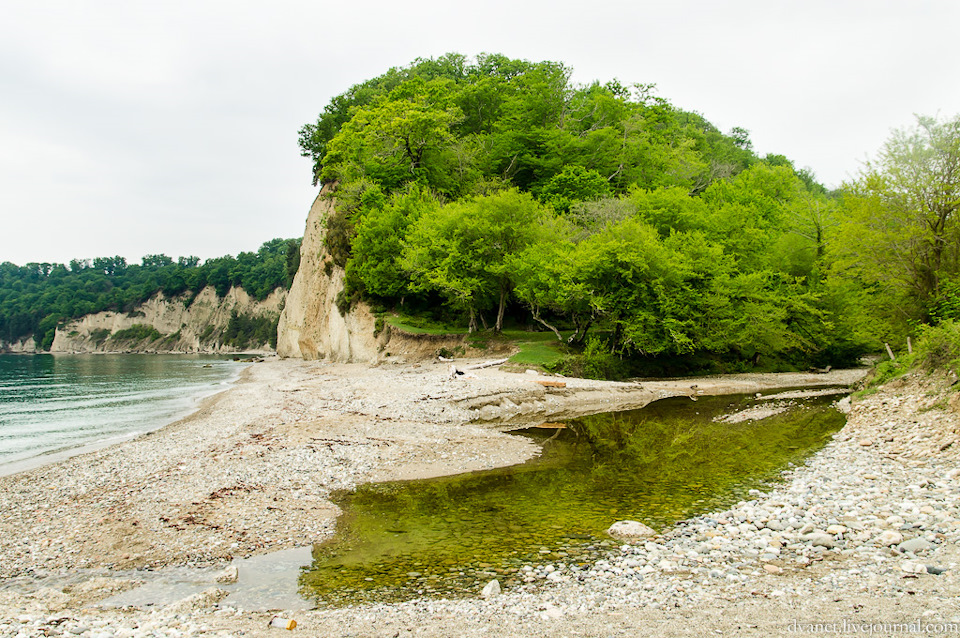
<point>486,364</point>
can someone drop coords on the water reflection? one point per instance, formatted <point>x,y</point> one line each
<point>661,464</point>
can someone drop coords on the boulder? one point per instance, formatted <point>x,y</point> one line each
<point>630,529</point>
<point>492,589</point>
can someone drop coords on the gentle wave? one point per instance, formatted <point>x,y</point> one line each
<point>51,405</point>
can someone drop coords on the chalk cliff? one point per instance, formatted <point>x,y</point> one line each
<point>312,327</point>
<point>21,346</point>
<point>197,327</point>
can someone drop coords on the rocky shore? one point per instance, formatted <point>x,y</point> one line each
<point>866,532</point>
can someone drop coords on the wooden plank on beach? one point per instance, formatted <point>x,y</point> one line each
<point>552,384</point>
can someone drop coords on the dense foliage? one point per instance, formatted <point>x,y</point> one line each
<point>35,298</point>
<point>498,190</point>
<point>899,235</point>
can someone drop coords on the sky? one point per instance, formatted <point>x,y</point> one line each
<point>132,128</point>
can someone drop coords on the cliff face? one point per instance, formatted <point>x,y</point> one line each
<point>311,326</point>
<point>198,328</point>
<point>23,346</point>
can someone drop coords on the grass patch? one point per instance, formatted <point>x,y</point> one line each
<point>536,348</point>
<point>422,326</point>
<point>538,353</point>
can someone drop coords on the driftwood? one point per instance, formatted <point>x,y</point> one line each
<point>457,372</point>
<point>552,384</point>
<point>486,364</point>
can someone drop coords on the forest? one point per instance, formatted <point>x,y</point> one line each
<point>37,297</point>
<point>488,192</point>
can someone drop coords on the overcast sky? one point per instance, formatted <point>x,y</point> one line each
<point>170,127</point>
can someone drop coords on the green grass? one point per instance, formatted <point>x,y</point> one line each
<point>422,326</point>
<point>536,348</point>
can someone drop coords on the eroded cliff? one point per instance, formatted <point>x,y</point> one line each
<point>312,327</point>
<point>174,325</point>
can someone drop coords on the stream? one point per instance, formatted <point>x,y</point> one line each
<point>669,461</point>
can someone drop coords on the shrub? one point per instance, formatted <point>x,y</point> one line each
<point>595,362</point>
<point>137,332</point>
<point>939,347</point>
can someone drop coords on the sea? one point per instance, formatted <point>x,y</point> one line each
<point>56,406</point>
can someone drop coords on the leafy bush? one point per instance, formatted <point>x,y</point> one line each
<point>246,331</point>
<point>137,332</point>
<point>939,347</point>
<point>595,362</point>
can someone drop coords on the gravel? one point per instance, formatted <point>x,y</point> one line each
<point>865,532</point>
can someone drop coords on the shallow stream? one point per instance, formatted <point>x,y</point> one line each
<point>664,463</point>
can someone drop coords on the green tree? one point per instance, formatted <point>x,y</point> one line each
<point>900,228</point>
<point>463,250</point>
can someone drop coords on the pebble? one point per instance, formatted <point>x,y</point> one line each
<point>491,589</point>
<point>889,537</point>
<point>916,545</point>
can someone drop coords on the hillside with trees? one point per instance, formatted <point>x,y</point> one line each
<point>37,297</point>
<point>487,192</point>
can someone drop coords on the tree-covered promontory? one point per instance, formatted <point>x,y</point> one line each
<point>35,298</point>
<point>493,191</point>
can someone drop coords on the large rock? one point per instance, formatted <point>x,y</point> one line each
<point>630,529</point>
<point>492,589</point>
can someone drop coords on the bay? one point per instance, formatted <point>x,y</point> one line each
<point>53,406</point>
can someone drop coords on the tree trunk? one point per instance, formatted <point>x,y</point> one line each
<point>615,340</point>
<point>473,321</point>
<point>503,305</point>
<point>535,311</point>
<point>580,333</point>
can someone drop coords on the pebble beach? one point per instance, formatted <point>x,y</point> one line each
<point>865,533</point>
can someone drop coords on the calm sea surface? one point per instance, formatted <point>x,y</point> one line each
<point>54,405</point>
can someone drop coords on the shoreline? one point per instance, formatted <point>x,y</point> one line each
<point>61,454</point>
<point>252,469</point>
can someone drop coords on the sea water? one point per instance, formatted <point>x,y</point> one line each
<point>52,406</point>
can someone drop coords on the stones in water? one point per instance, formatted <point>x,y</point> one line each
<point>630,529</point>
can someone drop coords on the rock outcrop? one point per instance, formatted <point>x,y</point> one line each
<point>183,326</point>
<point>21,346</point>
<point>312,327</point>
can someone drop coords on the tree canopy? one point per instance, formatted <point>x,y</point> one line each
<point>495,188</point>
<point>36,297</point>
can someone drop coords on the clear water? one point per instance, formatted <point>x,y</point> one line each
<point>54,405</point>
<point>449,536</point>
